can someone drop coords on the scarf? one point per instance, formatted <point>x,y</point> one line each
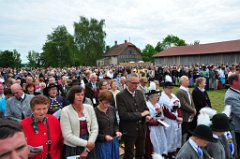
<point>35,123</point>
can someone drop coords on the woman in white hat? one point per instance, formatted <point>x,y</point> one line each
<point>156,130</point>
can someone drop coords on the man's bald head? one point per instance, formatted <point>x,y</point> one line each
<point>17,90</point>
<point>184,81</point>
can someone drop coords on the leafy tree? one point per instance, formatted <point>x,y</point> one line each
<point>34,59</point>
<point>159,47</point>
<point>170,41</point>
<point>89,38</point>
<point>58,51</point>
<point>148,52</point>
<point>10,59</point>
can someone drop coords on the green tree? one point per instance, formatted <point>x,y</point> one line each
<point>148,52</point>
<point>89,38</point>
<point>58,51</point>
<point>10,59</point>
<point>34,59</point>
<point>170,41</point>
<point>159,47</point>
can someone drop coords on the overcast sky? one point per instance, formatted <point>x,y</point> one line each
<point>25,24</point>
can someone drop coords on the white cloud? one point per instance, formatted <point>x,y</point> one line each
<point>25,24</point>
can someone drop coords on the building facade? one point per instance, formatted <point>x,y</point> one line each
<point>227,52</point>
<point>117,54</point>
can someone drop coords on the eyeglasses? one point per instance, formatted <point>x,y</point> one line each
<point>105,103</point>
<point>134,82</point>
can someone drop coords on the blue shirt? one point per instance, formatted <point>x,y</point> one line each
<point>3,103</point>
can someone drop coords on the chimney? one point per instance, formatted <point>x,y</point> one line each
<point>107,48</point>
<point>115,43</point>
<point>125,41</point>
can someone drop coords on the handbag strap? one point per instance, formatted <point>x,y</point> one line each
<point>49,137</point>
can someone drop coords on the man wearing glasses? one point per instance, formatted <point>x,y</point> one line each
<point>18,106</point>
<point>133,113</point>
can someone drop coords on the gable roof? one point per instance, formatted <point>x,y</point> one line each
<point>202,49</point>
<point>118,49</point>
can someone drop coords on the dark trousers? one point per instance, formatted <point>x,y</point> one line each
<point>237,138</point>
<point>185,131</point>
<point>138,140</point>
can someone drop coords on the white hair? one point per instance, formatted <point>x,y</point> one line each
<point>130,76</point>
<point>183,78</point>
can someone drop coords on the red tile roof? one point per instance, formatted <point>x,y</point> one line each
<point>118,49</point>
<point>211,48</point>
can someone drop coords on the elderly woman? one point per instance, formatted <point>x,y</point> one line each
<point>156,130</point>
<point>107,145</point>
<point>57,101</point>
<point>200,98</point>
<point>42,130</point>
<point>173,118</point>
<point>79,126</point>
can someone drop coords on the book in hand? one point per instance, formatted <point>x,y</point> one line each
<point>163,123</point>
<point>74,157</point>
<point>35,149</point>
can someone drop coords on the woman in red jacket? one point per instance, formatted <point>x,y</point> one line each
<point>42,130</point>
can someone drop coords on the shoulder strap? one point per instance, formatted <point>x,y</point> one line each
<point>49,137</point>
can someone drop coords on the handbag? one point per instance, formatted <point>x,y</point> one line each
<point>49,141</point>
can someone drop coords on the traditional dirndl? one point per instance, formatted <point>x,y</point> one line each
<point>73,151</point>
<point>108,150</point>
<point>173,135</point>
<point>158,139</point>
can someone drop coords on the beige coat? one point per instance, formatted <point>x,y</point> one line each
<point>70,125</point>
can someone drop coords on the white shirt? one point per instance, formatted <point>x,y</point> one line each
<point>215,136</point>
<point>186,90</point>
<point>195,146</point>
<point>201,89</point>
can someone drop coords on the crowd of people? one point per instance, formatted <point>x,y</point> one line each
<point>90,112</point>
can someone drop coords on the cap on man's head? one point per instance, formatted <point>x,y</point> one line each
<point>220,123</point>
<point>204,132</point>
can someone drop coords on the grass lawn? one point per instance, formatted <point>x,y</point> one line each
<point>216,97</point>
